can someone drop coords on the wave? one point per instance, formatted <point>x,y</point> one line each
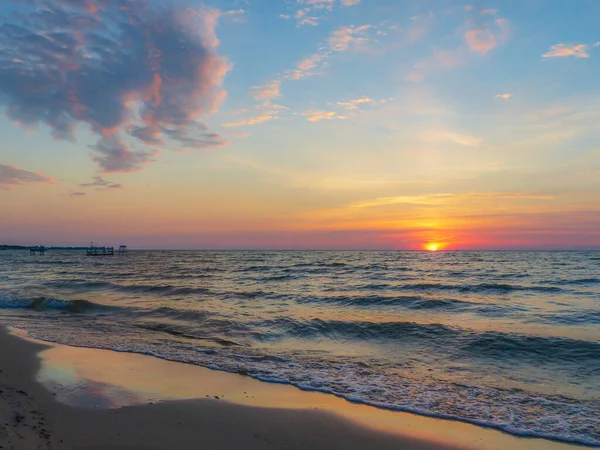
<point>477,288</point>
<point>460,342</point>
<point>164,289</point>
<point>580,281</point>
<point>189,332</point>
<point>46,303</point>
<point>584,318</point>
<point>403,301</point>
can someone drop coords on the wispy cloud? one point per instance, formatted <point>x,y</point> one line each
<point>75,194</point>
<point>452,136</point>
<point>100,182</point>
<point>562,50</point>
<point>354,104</point>
<point>340,40</point>
<point>269,110</point>
<point>116,70</point>
<point>503,96</point>
<point>489,11</point>
<point>12,175</point>
<point>267,91</point>
<point>315,115</point>
<point>313,12</point>
<point>484,38</point>
<point>439,60</point>
<point>433,199</point>
<point>237,15</point>
<point>265,117</point>
<point>345,37</point>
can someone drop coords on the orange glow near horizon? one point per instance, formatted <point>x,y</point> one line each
<point>433,247</point>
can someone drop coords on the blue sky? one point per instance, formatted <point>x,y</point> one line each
<point>302,123</point>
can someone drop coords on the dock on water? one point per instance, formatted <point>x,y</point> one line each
<point>38,250</point>
<point>96,250</point>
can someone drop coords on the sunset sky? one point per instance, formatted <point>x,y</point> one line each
<point>336,124</point>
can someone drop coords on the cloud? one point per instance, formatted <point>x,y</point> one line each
<point>354,104</point>
<point>102,183</point>
<point>269,110</point>
<point>483,39</point>
<point>12,176</point>
<point>439,60</point>
<point>315,116</point>
<point>457,138</point>
<point>597,44</point>
<point>265,117</point>
<point>489,11</point>
<point>432,199</point>
<point>315,11</point>
<point>237,15</point>
<point>318,3</point>
<point>340,40</point>
<point>503,96</point>
<point>562,50</point>
<point>113,155</point>
<point>74,194</point>
<point>345,37</point>
<point>480,40</point>
<point>268,91</point>
<point>130,71</point>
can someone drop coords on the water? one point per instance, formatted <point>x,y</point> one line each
<point>505,339</point>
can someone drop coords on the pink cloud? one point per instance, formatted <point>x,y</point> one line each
<point>483,39</point>
<point>562,50</point>
<point>12,175</point>
<point>267,91</point>
<point>143,72</point>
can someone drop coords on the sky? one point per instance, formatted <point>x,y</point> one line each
<point>300,124</point>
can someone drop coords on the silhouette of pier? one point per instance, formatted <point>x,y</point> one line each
<point>38,250</point>
<point>96,250</point>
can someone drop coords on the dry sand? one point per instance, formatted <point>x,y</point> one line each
<point>158,404</point>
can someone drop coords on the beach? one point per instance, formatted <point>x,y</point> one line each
<point>162,404</point>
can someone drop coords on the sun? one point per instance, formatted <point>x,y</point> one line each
<point>432,246</point>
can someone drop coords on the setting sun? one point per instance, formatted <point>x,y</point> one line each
<point>433,247</point>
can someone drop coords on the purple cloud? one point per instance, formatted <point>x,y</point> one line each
<point>128,70</point>
<point>12,175</point>
<point>73,194</point>
<point>112,154</point>
<point>100,182</point>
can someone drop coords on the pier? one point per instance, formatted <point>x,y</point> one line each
<point>39,250</point>
<point>95,250</point>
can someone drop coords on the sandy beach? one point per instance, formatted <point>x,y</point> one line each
<point>60,397</point>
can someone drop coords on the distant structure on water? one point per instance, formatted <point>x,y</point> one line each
<point>38,250</point>
<point>95,250</point>
<point>123,250</point>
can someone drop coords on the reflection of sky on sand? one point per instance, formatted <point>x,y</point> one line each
<point>76,390</point>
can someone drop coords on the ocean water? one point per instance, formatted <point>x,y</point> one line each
<point>504,339</point>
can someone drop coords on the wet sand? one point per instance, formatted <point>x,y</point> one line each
<point>59,397</point>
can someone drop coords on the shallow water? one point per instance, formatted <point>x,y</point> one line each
<point>508,339</point>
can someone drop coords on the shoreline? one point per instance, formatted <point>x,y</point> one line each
<point>90,398</point>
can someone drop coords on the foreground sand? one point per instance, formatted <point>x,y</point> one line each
<point>163,405</point>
